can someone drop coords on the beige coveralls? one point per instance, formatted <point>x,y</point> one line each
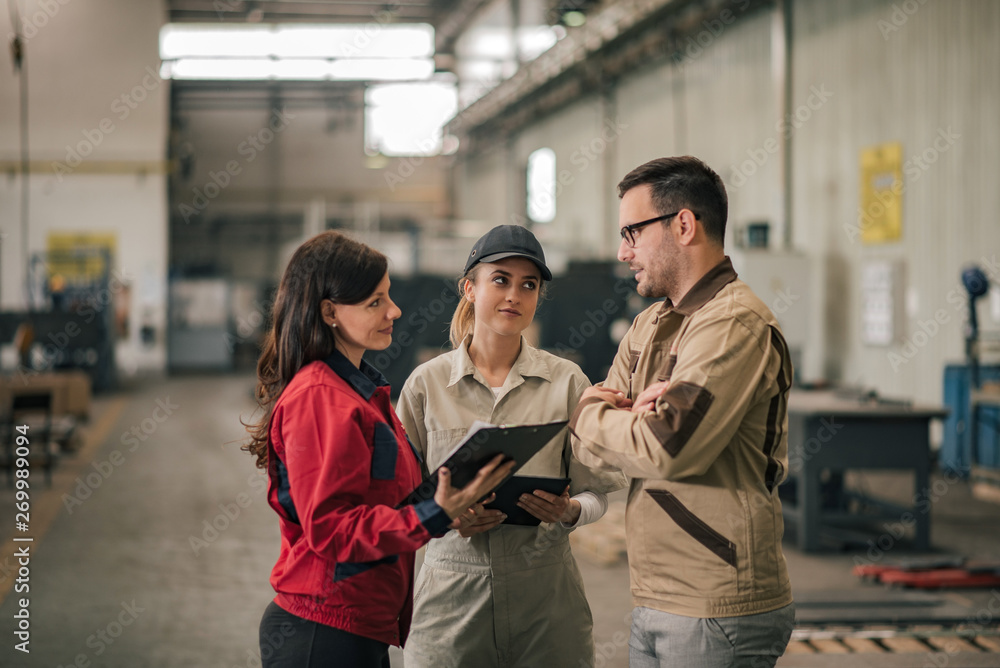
<point>512,596</point>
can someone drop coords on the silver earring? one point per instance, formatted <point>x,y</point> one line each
<point>334,325</point>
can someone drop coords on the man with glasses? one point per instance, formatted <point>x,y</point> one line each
<point>694,412</point>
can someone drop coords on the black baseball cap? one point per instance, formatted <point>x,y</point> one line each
<point>508,241</point>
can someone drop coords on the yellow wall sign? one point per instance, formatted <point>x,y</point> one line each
<point>881,214</point>
<point>77,257</point>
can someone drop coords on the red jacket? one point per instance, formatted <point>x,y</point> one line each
<point>338,463</point>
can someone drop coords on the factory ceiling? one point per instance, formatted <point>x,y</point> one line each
<point>449,17</point>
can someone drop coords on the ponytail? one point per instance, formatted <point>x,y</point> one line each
<point>464,319</point>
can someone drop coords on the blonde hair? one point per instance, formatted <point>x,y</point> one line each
<point>463,321</point>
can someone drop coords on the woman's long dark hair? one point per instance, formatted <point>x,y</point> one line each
<point>327,266</point>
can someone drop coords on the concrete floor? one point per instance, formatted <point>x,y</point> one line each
<point>154,544</point>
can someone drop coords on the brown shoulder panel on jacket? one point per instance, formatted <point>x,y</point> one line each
<point>686,406</point>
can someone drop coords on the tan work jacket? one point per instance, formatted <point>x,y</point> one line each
<point>512,596</point>
<point>703,525</point>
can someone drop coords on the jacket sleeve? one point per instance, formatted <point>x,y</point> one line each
<point>618,379</point>
<point>599,477</point>
<point>329,461</point>
<point>710,391</point>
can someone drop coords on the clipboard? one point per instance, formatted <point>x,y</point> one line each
<point>482,443</point>
<point>509,493</point>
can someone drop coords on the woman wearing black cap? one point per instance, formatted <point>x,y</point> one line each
<point>494,593</point>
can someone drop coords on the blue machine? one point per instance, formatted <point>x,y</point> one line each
<point>955,454</point>
<point>970,437</point>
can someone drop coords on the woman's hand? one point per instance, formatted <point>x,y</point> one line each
<point>478,519</point>
<point>458,502</point>
<point>551,508</point>
<point>646,401</point>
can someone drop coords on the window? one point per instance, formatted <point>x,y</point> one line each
<point>407,119</point>
<point>542,185</point>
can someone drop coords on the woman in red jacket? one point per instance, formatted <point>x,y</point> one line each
<point>338,462</point>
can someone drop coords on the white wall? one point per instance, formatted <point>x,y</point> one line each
<point>864,73</point>
<point>82,57</point>
<point>924,74</point>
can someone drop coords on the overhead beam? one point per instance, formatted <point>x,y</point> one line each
<point>322,11</point>
<point>454,23</point>
<point>625,36</point>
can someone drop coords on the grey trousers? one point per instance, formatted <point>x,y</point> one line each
<point>662,640</point>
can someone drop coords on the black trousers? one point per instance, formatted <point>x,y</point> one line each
<point>288,641</point>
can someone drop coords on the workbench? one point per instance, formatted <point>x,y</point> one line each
<point>828,432</point>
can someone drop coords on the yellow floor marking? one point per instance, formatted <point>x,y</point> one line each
<point>46,506</point>
<point>799,647</point>
<point>991,643</point>
<point>904,645</point>
<point>864,646</point>
<point>952,645</point>
<point>829,646</point>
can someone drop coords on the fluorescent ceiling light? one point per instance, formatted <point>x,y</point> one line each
<point>298,52</point>
<point>300,69</point>
<point>229,68</point>
<point>369,40</point>
<point>382,70</point>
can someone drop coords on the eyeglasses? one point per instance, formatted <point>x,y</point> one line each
<point>628,232</point>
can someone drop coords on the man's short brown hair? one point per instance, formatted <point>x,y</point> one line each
<point>684,182</point>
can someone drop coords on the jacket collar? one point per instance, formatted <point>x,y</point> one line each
<point>529,362</point>
<point>365,380</point>
<point>705,289</point>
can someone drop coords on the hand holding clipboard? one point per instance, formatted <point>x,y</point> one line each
<point>480,445</point>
